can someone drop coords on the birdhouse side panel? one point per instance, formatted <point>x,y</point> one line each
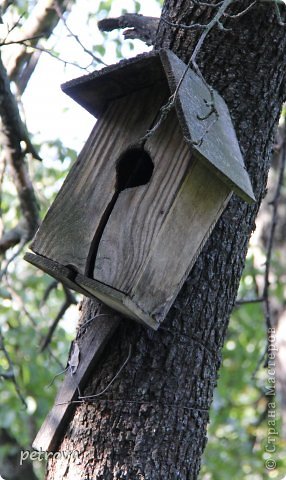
<point>74,221</point>
<point>197,208</point>
<point>209,130</point>
<point>141,211</point>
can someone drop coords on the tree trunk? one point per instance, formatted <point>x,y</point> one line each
<point>151,422</point>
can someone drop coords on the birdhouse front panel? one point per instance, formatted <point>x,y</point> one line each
<point>136,209</point>
<point>74,223</point>
<point>140,212</point>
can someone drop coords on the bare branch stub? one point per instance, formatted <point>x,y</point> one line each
<point>138,26</point>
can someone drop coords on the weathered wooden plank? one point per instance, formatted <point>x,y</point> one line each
<point>56,270</point>
<point>196,209</point>
<point>91,347</point>
<point>217,145</point>
<point>96,90</point>
<point>140,212</point>
<point>70,228</point>
<point>116,300</point>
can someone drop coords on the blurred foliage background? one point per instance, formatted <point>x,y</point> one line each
<point>31,301</point>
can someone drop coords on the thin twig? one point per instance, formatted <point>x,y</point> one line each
<point>15,25</point>
<point>14,294</point>
<point>22,244</point>
<point>87,397</point>
<point>85,324</point>
<point>274,203</point>
<point>11,370</point>
<point>153,404</point>
<point>243,12</point>
<point>205,4</point>
<point>55,376</point>
<point>48,290</point>
<point>3,165</point>
<point>53,55</point>
<point>69,300</point>
<point>54,357</point>
<point>245,301</point>
<point>76,38</point>
<point>23,41</point>
<point>193,26</point>
<point>84,398</point>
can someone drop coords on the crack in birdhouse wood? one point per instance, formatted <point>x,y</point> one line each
<point>133,169</point>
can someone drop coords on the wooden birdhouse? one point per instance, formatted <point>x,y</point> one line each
<point>135,211</point>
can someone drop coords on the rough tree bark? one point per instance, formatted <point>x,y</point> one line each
<point>151,422</point>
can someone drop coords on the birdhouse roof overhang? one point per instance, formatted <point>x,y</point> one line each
<point>202,113</point>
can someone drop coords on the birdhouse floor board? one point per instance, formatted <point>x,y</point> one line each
<point>116,300</point>
<point>74,221</point>
<point>56,270</point>
<point>91,347</point>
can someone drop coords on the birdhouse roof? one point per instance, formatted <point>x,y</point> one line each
<point>204,117</point>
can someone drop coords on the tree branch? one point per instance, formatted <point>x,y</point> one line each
<point>12,135</point>
<point>40,24</point>
<point>12,237</point>
<point>5,4</point>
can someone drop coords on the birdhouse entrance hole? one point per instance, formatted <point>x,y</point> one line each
<point>133,169</point>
